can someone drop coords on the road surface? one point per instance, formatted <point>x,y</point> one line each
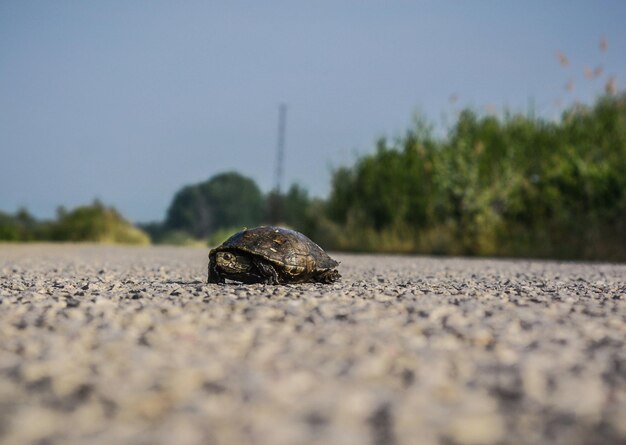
<point>124,345</point>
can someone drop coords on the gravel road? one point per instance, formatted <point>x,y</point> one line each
<point>119,345</point>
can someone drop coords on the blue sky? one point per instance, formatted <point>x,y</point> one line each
<point>128,101</point>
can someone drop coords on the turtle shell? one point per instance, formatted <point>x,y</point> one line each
<point>291,251</point>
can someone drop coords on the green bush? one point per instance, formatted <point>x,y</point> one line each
<point>96,223</point>
<point>517,186</point>
<point>22,227</point>
<point>93,223</point>
<point>9,228</point>
<point>219,236</point>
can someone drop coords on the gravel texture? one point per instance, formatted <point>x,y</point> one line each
<point>119,345</point>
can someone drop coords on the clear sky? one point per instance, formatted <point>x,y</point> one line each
<point>128,101</point>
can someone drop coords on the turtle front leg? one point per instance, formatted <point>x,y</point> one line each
<point>214,276</point>
<point>267,271</point>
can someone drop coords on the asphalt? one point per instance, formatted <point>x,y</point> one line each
<point>102,345</point>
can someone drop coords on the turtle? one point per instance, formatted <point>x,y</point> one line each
<point>271,255</point>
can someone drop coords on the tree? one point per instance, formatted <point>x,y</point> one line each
<point>226,200</point>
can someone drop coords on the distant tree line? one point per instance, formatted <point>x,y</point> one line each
<point>515,185</point>
<point>92,223</point>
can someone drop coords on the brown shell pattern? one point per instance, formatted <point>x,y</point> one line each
<point>292,251</point>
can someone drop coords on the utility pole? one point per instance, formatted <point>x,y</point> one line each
<point>280,145</point>
<point>276,197</point>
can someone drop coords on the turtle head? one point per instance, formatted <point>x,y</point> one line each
<point>232,262</point>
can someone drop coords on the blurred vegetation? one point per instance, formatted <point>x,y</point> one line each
<point>515,185</point>
<point>226,200</point>
<point>227,203</point>
<point>22,227</point>
<point>93,223</point>
<point>222,235</point>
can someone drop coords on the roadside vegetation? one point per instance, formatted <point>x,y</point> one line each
<point>92,223</point>
<point>515,185</point>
